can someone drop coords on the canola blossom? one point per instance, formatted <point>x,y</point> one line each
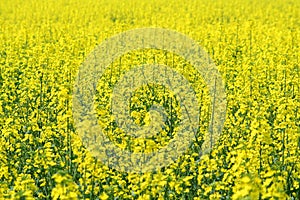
<point>92,70</point>
<point>251,153</point>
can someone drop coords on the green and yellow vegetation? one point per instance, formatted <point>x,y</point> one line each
<point>255,45</point>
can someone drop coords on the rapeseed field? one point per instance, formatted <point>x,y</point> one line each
<point>255,46</point>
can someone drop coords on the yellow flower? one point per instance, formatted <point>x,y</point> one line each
<point>104,196</point>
